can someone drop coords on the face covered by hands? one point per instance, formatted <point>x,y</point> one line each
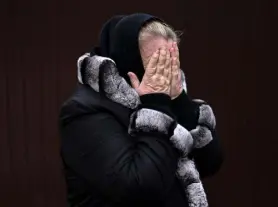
<point>163,67</point>
<point>157,77</point>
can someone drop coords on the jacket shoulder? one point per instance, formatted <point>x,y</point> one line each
<point>86,101</point>
<point>83,101</point>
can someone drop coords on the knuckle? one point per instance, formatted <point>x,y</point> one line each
<point>160,67</point>
<point>161,61</point>
<point>155,55</point>
<point>155,76</point>
<point>161,80</point>
<point>163,52</point>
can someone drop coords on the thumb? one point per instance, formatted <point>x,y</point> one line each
<point>133,79</point>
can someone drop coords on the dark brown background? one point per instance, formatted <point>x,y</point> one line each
<point>228,54</point>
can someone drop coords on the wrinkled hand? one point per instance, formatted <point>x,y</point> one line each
<point>176,81</point>
<point>157,77</point>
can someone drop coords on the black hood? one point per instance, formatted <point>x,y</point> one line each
<point>119,41</point>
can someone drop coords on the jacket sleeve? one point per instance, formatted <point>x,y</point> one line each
<point>135,166</point>
<point>198,116</point>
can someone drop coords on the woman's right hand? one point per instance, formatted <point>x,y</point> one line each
<point>157,77</point>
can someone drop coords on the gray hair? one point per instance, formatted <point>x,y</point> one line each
<point>156,28</point>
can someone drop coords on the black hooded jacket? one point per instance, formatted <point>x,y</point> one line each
<point>106,166</point>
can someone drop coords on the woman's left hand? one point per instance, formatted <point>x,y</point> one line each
<point>176,82</point>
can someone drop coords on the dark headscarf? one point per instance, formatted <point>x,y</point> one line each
<point>119,41</point>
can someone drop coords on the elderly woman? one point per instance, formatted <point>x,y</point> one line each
<point>131,135</point>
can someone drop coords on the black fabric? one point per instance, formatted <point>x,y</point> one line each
<point>104,166</point>
<point>185,111</point>
<point>106,37</point>
<point>157,101</point>
<point>208,159</point>
<point>119,41</point>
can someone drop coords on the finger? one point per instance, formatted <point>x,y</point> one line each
<point>170,75</point>
<point>174,63</point>
<point>167,69</point>
<point>177,53</point>
<point>161,61</point>
<point>179,80</point>
<point>172,52</point>
<point>135,83</point>
<point>175,68</point>
<point>179,76</point>
<point>153,61</point>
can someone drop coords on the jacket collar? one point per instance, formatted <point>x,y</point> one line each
<point>101,74</point>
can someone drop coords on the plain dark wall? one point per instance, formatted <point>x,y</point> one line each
<point>226,52</point>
